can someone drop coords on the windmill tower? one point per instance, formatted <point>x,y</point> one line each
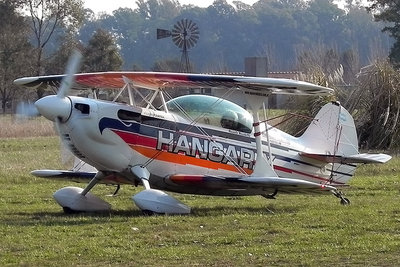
<point>185,35</point>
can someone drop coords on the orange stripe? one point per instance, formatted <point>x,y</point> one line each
<point>183,159</point>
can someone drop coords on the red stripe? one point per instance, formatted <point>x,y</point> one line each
<point>283,169</point>
<point>136,139</point>
<point>186,178</point>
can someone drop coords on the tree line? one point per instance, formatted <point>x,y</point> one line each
<point>329,45</point>
<point>278,29</point>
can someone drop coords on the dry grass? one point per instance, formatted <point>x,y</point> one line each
<point>11,127</point>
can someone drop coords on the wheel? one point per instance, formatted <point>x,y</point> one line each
<point>148,212</point>
<point>68,210</point>
<point>344,201</point>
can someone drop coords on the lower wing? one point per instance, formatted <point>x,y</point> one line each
<point>78,176</point>
<point>251,184</point>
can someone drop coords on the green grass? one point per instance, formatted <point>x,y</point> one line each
<point>291,230</point>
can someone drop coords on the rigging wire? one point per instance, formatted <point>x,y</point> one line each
<point>194,123</point>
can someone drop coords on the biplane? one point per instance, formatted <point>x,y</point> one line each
<point>193,143</point>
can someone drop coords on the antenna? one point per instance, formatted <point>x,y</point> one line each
<point>185,35</point>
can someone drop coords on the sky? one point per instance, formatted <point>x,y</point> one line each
<point>108,6</point>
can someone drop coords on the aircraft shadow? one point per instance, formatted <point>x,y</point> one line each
<point>57,218</point>
<point>228,210</point>
<point>52,218</point>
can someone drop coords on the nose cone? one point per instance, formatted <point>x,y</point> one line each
<point>52,107</point>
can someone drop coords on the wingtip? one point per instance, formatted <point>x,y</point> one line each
<point>25,80</point>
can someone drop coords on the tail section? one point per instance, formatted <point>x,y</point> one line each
<point>332,139</point>
<point>332,132</point>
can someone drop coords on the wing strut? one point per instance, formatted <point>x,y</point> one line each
<point>263,167</point>
<point>266,130</point>
<point>128,82</point>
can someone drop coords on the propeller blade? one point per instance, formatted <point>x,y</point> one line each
<point>58,107</point>
<point>72,68</point>
<point>67,158</point>
<point>26,110</point>
<point>57,126</point>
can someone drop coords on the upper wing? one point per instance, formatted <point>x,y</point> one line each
<point>157,80</point>
<point>255,185</point>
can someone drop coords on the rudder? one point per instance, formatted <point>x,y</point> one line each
<point>331,138</point>
<point>332,132</point>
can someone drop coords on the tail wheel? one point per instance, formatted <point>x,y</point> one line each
<point>344,201</point>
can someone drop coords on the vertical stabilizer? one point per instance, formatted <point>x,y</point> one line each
<point>332,132</point>
<point>330,138</point>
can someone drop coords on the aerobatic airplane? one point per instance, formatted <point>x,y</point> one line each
<point>192,144</point>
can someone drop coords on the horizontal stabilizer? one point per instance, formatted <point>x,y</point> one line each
<point>358,158</point>
<point>282,185</point>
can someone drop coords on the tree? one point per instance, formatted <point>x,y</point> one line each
<point>46,17</point>
<point>160,9</point>
<point>330,20</point>
<point>389,11</point>
<point>126,27</point>
<point>102,53</point>
<point>230,33</point>
<point>14,51</point>
<point>57,62</point>
<point>171,65</point>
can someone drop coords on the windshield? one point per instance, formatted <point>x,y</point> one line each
<point>212,110</point>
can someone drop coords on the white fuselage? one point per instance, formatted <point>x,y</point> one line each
<point>114,137</point>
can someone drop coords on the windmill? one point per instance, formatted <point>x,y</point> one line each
<point>185,35</point>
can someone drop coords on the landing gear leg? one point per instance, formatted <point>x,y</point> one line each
<point>92,183</point>
<point>343,200</point>
<point>143,174</point>
<point>116,190</point>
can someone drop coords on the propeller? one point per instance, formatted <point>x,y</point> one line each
<point>58,107</point>
<point>73,65</point>
<point>53,107</point>
<point>26,110</point>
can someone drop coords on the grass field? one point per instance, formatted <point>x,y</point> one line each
<point>11,126</point>
<point>221,231</point>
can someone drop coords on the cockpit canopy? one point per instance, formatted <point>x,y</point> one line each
<point>212,110</point>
